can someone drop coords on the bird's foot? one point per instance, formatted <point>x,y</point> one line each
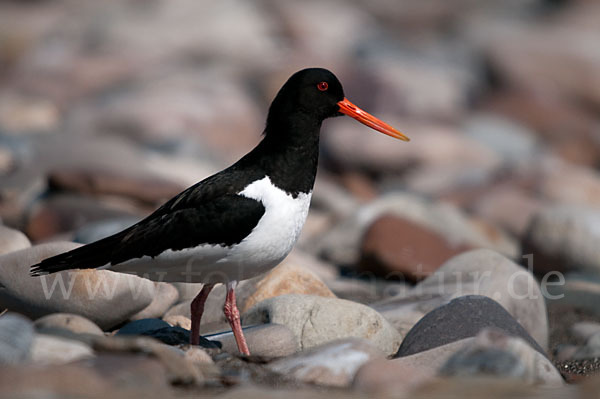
<point>233,317</point>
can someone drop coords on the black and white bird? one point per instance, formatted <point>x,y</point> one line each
<point>237,223</point>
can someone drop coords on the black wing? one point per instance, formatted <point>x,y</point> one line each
<point>225,220</point>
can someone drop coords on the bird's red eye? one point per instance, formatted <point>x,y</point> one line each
<point>322,86</point>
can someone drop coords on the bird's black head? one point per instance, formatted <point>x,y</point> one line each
<point>310,93</point>
<point>310,96</point>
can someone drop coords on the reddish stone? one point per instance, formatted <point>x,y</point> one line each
<point>396,247</point>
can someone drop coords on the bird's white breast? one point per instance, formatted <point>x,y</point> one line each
<point>279,228</point>
<point>268,244</point>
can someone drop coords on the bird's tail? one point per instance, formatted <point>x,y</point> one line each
<point>90,256</point>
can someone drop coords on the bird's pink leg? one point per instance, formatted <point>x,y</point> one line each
<point>196,310</point>
<point>233,317</point>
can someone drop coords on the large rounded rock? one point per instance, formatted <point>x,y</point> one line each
<point>479,272</point>
<point>107,298</point>
<point>316,320</point>
<point>12,240</point>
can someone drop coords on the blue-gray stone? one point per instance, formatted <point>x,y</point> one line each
<point>16,337</point>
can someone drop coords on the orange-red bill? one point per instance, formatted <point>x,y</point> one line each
<point>347,108</point>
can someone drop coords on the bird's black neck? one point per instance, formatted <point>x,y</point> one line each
<point>288,153</point>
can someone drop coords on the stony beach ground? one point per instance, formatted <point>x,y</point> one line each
<point>463,263</point>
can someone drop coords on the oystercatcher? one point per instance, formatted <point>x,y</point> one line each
<point>241,221</point>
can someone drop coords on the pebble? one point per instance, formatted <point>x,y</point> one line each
<point>591,349</point>
<point>463,317</point>
<point>68,321</point>
<point>51,350</point>
<point>317,320</point>
<point>165,296</point>
<point>584,330</point>
<point>418,254</point>
<point>16,338</point>
<point>331,364</point>
<point>479,272</point>
<point>267,340</point>
<point>286,278</point>
<point>93,294</point>
<point>494,353</point>
<point>564,238</point>
<point>198,356</point>
<point>179,321</point>
<point>12,240</point>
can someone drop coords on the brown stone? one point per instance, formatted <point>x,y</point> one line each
<point>287,278</point>
<point>394,247</point>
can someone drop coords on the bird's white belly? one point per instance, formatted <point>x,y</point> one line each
<point>266,246</point>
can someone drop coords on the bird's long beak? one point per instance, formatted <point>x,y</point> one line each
<point>347,108</point>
